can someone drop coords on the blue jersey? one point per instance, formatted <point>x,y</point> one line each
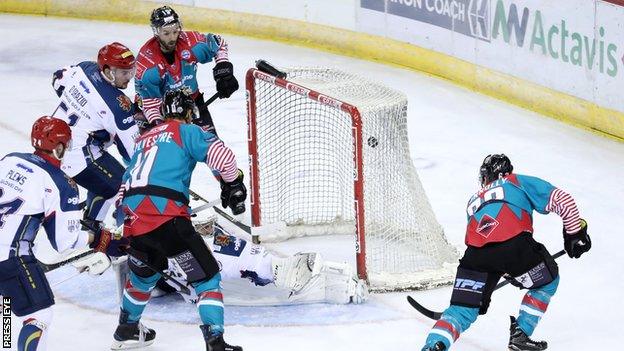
<point>504,208</point>
<point>159,175</point>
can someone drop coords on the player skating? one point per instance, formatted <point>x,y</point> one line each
<point>158,219</point>
<point>35,193</point>
<point>500,242</point>
<point>99,114</point>
<point>169,61</point>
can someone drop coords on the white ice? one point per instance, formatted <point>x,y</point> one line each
<point>450,129</point>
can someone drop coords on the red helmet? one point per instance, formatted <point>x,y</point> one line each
<point>115,55</point>
<point>48,132</point>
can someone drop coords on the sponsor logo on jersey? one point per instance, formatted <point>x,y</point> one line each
<point>24,167</point>
<point>128,120</point>
<point>487,225</point>
<point>186,54</point>
<point>124,102</point>
<point>468,285</point>
<point>73,200</point>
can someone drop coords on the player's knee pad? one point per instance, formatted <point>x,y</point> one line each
<point>142,283</point>
<point>538,276</point>
<point>211,284</point>
<point>25,282</point>
<point>469,289</point>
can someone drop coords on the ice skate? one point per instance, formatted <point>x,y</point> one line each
<point>519,341</point>
<point>439,346</point>
<point>131,335</point>
<point>216,342</point>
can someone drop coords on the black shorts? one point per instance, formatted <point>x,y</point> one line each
<point>514,257</point>
<point>171,239</point>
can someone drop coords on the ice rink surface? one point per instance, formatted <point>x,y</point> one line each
<point>450,129</point>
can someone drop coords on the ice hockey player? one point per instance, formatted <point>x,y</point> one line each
<point>35,193</point>
<point>158,219</point>
<point>169,60</point>
<point>99,114</point>
<point>300,278</point>
<point>500,243</point>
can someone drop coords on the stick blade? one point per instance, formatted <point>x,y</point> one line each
<point>423,310</point>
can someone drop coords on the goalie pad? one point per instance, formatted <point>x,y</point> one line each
<point>335,283</point>
<point>294,272</point>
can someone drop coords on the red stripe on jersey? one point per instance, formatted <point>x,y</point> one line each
<point>533,302</point>
<point>442,324</point>
<point>213,295</point>
<point>221,158</point>
<point>564,205</point>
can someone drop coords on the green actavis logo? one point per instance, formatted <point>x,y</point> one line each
<point>558,41</point>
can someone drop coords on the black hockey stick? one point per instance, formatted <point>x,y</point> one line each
<point>436,315</point>
<point>268,68</point>
<point>212,98</point>
<point>222,213</point>
<point>52,266</point>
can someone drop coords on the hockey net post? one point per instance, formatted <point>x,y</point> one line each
<point>329,154</point>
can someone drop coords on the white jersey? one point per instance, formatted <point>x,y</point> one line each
<point>98,113</point>
<point>35,193</point>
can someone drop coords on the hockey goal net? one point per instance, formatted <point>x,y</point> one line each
<point>329,154</point>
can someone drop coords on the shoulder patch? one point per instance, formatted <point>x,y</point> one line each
<point>124,102</point>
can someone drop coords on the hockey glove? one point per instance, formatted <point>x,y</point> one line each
<point>227,84</point>
<point>578,243</point>
<point>112,244</point>
<point>233,194</point>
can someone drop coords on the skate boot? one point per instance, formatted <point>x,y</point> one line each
<point>519,341</point>
<point>216,342</point>
<point>439,346</point>
<point>131,335</point>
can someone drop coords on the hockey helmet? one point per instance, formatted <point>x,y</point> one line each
<point>494,166</point>
<point>47,132</point>
<point>164,16</point>
<point>177,103</point>
<point>115,55</point>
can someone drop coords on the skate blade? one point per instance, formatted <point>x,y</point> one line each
<point>129,344</point>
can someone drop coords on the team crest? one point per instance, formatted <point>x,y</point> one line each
<point>124,102</point>
<point>186,54</point>
<point>221,239</point>
<point>487,225</point>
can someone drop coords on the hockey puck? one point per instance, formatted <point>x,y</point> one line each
<point>372,142</point>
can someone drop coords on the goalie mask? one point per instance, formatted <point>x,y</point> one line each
<point>494,166</point>
<point>179,104</point>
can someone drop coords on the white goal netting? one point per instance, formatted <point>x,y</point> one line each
<point>330,154</point>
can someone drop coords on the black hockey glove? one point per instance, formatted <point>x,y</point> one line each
<point>578,243</point>
<point>233,194</point>
<point>227,84</point>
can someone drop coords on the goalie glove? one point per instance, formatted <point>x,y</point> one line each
<point>233,194</point>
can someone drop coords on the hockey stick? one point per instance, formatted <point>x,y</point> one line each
<point>436,315</point>
<point>212,98</point>
<point>52,266</point>
<point>132,253</point>
<point>222,213</point>
<point>268,68</point>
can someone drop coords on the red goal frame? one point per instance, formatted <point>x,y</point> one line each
<point>356,126</point>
